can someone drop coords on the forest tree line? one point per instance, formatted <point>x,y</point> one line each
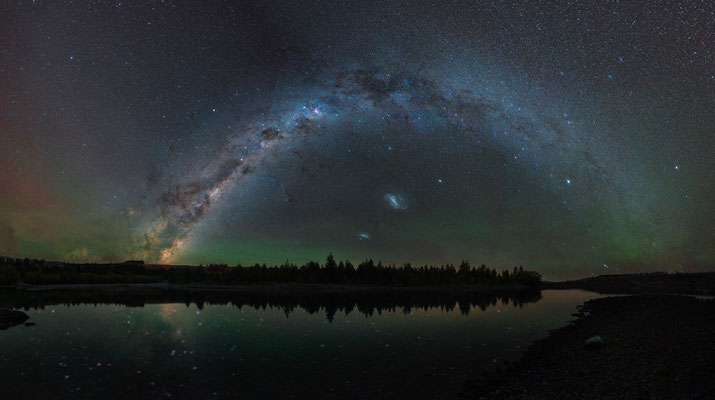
<point>367,272</point>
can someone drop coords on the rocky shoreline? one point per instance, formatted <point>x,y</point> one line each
<point>654,347</point>
<point>10,318</point>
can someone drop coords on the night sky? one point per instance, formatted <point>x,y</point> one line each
<point>572,137</point>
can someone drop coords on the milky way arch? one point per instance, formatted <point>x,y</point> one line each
<point>406,100</point>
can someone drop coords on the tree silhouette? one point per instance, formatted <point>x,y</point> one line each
<point>332,272</point>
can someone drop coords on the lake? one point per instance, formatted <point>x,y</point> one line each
<point>154,344</point>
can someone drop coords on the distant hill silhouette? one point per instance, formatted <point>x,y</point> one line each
<point>702,283</point>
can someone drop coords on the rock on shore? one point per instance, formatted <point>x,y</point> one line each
<point>10,318</point>
<point>654,347</point>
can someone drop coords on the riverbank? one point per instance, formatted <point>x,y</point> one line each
<point>655,347</point>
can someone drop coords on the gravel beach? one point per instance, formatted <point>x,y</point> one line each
<point>654,347</point>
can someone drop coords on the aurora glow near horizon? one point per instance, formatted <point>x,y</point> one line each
<point>572,138</point>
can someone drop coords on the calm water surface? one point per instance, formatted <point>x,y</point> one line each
<point>270,350</point>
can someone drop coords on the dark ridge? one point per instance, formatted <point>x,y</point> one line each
<point>702,283</point>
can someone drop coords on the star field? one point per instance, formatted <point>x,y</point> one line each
<point>572,137</point>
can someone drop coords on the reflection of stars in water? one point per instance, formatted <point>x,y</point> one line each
<point>166,310</point>
<point>175,320</point>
